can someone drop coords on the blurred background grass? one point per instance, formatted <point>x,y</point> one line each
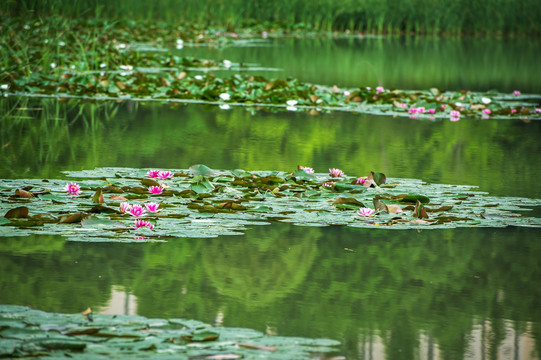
<point>458,17</point>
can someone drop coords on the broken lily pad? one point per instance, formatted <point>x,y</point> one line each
<point>204,205</point>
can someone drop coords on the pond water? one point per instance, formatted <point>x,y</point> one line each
<point>457,293</point>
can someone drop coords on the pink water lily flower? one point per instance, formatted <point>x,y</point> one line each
<point>153,173</point>
<point>152,207</point>
<point>360,181</point>
<point>73,188</point>
<point>380,89</point>
<point>309,170</point>
<point>124,207</point>
<point>155,189</point>
<point>516,93</point>
<point>137,210</point>
<point>455,113</point>
<point>486,111</point>
<point>412,110</point>
<point>513,111</point>
<point>143,223</point>
<point>365,211</point>
<point>431,111</point>
<point>327,185</point>
<point>336,172</point>
<point>165,174</point>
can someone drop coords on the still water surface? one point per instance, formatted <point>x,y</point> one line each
<point>447,294</point>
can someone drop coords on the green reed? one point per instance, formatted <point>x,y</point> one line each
<point>482,17</point>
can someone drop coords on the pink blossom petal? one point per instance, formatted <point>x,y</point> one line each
<point>152,207</point>
<point>336,172</point>
<point>153,173</point>
<point>309,170</point>
<point>137,210</point>
<point>155,190</point>
<point>73,188</point>
<point>365,211</point>
<point>124,207</point>
<point>165,174</point>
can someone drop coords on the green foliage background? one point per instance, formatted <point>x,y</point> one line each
<point>374,16</point>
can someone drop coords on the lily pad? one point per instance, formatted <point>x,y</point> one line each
<point>203,206</point>
<point>37,334</point>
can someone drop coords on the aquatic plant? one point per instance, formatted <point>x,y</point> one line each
<point>73,188</point>
<point>165,174</point>
<point>153,173</point>
<point>205,203</point>
<point>157,190</point>
<point>365,211</point>
<point>152,207</point>
<point>143,223</point>
<point>336,172</point>
<point>121,69</point>
<point>125,207</point>
<point>137,210</point>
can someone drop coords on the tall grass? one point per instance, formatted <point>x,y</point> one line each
<point>508,17</point>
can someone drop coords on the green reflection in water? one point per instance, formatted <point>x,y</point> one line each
<point>392,288</point>
<point>499,156</point>
<point>415,63</point>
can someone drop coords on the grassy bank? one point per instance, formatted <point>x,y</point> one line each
<point>483,17</point>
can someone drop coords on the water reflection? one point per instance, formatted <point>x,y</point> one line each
<point>460,63</point>
<point>462,293</point>
<point>500,156</point>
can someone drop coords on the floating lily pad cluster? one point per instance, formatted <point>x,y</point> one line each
<point>101,60</point>
<point>201,202</point>
<point>25,332</point>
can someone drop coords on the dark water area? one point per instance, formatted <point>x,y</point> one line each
<point>387,294</point>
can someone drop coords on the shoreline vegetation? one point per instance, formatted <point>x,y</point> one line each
<point>420,17</point>
<point>109,60</point>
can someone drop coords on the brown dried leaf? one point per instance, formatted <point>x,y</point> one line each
<point>17,213</point>
<point>23,194</point>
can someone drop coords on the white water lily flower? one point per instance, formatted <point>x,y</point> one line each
<point>292,102</point>
<point>53,65</point>
<point>346,93</point>
<point>225,96</point>
<point>121,46</point>
<point>486,100</point>
<point>4,86</point>
<point>227,63</point>
<point>180,43</point>
<point>62,43</point>
<point>102,65</point>
<point>198,77</point>
<point>126,67</point>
